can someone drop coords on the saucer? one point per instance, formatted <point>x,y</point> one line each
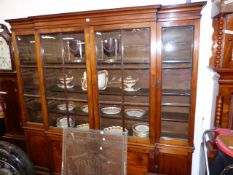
<point>62,106</point>
<point>138,113</point>
<point>111,110</point>
<point>131,89</point>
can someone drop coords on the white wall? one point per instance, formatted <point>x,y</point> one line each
<point>207,86</point>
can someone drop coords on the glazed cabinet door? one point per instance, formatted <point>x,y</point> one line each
<point>177,80</point>
<point>121,79</point>
<point>64,63</point>
<point>29,79</point>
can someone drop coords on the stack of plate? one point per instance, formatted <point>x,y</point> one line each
<point>63,122</point>
<point>83,127</point>
<point>62,106</point>
<point>114,129</point>
<point>141,130</point>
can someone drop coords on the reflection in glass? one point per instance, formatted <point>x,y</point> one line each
<point>33,109</point>
<point>59,46</point>
<point>30,81</point>
<point>124,103</point>
<point>64,68</point>
<point>26,49</point>
<point>177,55</point>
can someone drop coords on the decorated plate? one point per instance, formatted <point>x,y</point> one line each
<point>62,106</point>
<point>111,110</point>
<point>138,113</point>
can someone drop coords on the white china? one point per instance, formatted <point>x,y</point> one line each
<point>68,86</point>
<point>111,110</point>
<point>138,113</point>
<point>131,89</point>
<point>141,130</point>
<point>62,106</point>
<point>102,80</point>
<point>114,129</point>
<point>129,81</point>
<point>84,108</point>
<point>68,79</point>
<point>83,127</point>
<point>63,122</point>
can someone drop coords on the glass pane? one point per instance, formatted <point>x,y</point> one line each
<point>123,64</point>
<point>26,49</point>
<point>33,109</point>
<point>94,152</point>
<point>30,81</point>
<point>60,110</point>
<point>59,47</point>
<point>177,60</point>
<point>65,79</point>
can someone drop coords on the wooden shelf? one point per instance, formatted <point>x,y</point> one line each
<point>176,92</point>
<point>173,135</point>
<point>124,62</point>
<point>144,118</point>
<point>29,66</point>
<point>66,66</point>
<point>176,61</point>
<point>118,91</point>
<point>76,112</point>
<point>175,117</point>
<point>176,104</point>
<point>124,67</point>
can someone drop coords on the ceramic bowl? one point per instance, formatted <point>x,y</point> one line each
<point>129,81</point>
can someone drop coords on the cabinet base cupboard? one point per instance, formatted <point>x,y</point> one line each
<point>128,69</point>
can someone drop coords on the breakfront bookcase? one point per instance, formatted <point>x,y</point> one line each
<point>131,69</point>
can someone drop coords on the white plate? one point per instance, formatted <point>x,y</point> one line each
<point>83,127</point>
<point>114,129</point>
<point>138,113</point>
<point>131,89</point>
<point>67,86</point>
<point>62,106</point>
<point>84,108</point>
<point>142,128</point>
<point>111,110</point>
<point>62,122</point>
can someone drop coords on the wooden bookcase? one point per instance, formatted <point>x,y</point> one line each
<point>131,69</point>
